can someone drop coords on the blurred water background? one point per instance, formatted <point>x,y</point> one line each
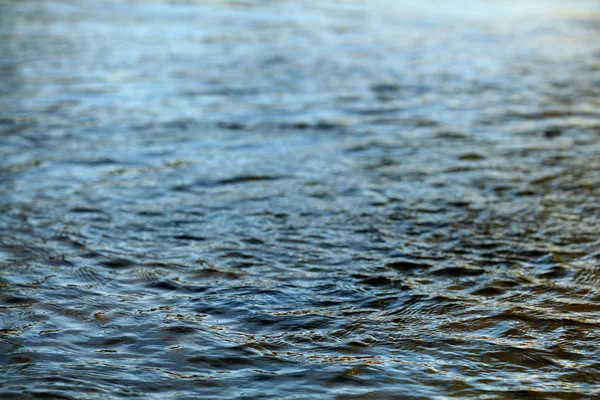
<point>298,199</point>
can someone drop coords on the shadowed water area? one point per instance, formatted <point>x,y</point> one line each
<point>299,199</point>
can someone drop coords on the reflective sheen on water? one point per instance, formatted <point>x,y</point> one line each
<point>299,199</point>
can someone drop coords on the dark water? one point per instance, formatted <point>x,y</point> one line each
<point>294,199</point>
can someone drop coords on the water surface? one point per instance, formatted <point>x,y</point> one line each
<point>295,199</point>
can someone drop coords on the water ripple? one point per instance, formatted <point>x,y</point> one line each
<point>289,200</point>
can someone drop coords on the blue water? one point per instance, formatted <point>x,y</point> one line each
<point>299,200</point>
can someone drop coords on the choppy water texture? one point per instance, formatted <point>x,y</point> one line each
<point>300,199</point>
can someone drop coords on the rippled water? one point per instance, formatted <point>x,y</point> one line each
<point>294,199</point>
